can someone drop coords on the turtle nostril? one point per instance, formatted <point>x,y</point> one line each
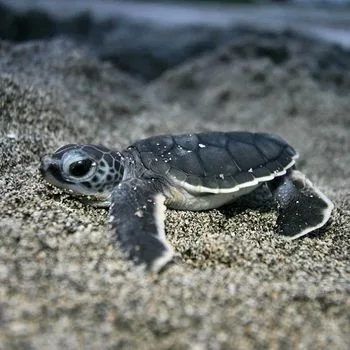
<point>49,168</point>
<point>44,164</point>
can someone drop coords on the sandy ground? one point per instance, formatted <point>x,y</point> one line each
<point>235,284</point>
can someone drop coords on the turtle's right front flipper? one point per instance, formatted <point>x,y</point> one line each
<point>137,215</point>
<point>302,207</point>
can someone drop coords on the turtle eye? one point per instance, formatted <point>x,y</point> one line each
<point>77,166</point>
<point>80,168</point>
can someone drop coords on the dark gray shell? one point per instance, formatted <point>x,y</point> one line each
<point>216,161</point>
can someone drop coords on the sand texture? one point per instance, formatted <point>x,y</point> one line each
<point>235,284</point>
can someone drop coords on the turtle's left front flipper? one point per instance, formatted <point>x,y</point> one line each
<point>137,215</point>
<point>302,207</point>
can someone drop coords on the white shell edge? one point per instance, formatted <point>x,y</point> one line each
<point>202,189</point>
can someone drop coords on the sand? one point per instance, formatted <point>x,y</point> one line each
<point>235,284</point>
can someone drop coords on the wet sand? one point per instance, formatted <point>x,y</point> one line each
<point>235,284</point>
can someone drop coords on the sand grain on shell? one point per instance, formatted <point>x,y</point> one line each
<point>235,285</point>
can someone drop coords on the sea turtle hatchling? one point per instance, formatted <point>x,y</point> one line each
<point>195,171</point>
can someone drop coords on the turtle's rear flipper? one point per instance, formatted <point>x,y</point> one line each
<point>137,215</point>
<point>302,207</point>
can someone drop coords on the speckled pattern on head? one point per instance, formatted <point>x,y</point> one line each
<point>94,168</point>
<point>195,171</point>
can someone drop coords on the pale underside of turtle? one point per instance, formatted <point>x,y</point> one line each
<point>190,172</point>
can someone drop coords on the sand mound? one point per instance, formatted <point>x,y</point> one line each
<point>63,282</point>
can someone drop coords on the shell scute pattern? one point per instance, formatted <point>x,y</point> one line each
<point>213,139</point>
<point>188,142</point>
<point>190,163</point>
<point>261,171</point>
<point>158,144</point>
<point>267,147</point>
<point>216,159</point>
<point>244,177</point>
<point>239,151</point>
<point>161,166</point>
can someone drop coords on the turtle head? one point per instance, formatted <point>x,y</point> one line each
<point>88,171</point>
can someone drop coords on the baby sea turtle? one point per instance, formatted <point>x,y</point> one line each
<point>192,172</point>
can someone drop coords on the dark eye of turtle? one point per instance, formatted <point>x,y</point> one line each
<point>80,168</point>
